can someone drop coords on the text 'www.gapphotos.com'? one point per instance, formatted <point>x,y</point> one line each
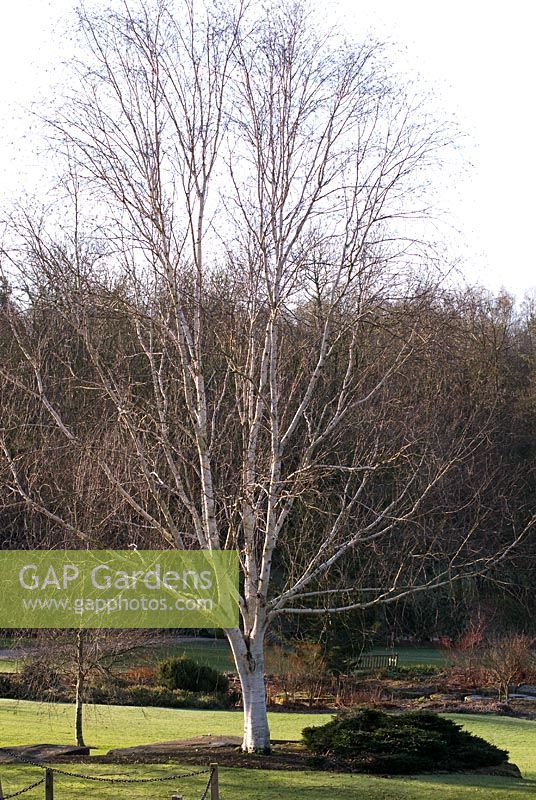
<point>101,605</point>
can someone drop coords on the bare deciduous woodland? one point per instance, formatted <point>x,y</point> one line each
<point>227,332</point>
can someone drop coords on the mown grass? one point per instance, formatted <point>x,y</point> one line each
<point>112,726</point>
<point>242,784</point>
<point>8,665</point>
<point>217,654</point>
<point>518,736</point>
<point>417,656</point>
<point>214,653</point>
<point>123,726</point>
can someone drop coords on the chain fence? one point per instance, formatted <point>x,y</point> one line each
<point>21,791</point>
<point>211,785</point>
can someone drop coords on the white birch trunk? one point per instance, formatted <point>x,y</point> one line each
<point>249,660</point>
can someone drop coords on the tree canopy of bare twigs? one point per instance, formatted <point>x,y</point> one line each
<point>233,343</point>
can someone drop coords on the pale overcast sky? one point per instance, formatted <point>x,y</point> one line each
<point>477,57</point>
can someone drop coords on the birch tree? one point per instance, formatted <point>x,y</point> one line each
<point>79,657</point>
<point>243,191</point>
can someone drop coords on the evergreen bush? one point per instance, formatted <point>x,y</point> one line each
<point>418,741</point>
<point>184,673</point>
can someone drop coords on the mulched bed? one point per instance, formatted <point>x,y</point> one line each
<point>225,751</point>
<point>202,750</point>
<point>42,752</point>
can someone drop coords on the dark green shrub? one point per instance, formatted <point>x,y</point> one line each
<point>184,673</point>
<point>21,691</point>
<point>216,701</point>
<point>149,696</point>
<point>39,675</point>
<point>6,687</point>
<point>158,696</point>
<point>412,671</point>
<point>419,741</point>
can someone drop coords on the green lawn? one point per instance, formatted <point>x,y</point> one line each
<point>124,726</point>
<point>411,656</point>
<point>23,722</point>
<point>212,652</point>
<point>216,653</point>
<point>241,784</point>
<point>8,665</point>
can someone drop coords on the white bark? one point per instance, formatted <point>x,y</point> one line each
<point>249,660</point>
<point>256,730</point>
<point>321,153</point>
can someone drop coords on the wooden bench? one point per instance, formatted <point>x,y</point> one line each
<point>375,661</point>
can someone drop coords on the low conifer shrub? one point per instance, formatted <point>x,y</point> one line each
<point>421,741</point>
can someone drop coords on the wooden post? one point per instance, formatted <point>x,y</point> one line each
<point>1,792</point>
<point>49,784</point>
<point>214,783</point>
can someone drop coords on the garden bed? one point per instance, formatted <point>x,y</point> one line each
<point>226,751</point>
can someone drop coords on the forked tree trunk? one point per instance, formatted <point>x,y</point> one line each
<point>249,660</point>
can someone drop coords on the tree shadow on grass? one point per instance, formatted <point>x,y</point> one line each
<point>494,783</point>
<point>262,785</point>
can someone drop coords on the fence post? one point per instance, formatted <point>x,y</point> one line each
<point>214,783</point>
<point>1,792</point>
<point>49,784</point>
